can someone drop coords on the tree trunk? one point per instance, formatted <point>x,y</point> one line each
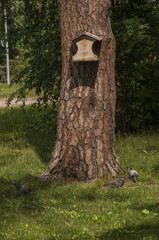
<point>85,146</point>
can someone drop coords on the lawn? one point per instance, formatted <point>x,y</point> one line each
<point>7,90</point>
<point>73,210</point>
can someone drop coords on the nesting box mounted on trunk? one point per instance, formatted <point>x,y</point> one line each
<point>87,48</point>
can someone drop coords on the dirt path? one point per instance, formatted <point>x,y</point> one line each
<point>28,101</point>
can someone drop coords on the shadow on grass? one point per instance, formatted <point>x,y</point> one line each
<point>156,169</point>
<point>18,126</point>
<point>13,201</point>
<point>140,232</point>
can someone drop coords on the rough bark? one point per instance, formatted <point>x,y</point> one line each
<point>85,146</point>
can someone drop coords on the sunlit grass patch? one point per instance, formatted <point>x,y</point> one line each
<point>7,90</point>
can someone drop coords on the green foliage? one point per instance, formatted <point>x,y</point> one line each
<point>41,48</point>
<point>35,37</point>
<point>135,25</point>
<point>13,32</point>
<point>67,210</point>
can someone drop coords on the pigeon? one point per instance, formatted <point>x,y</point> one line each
<point>22,189</point>
<point>132,174</point>
<point>116,184</point>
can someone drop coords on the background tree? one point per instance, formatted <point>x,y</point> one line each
<point>12,30</point>
<point>135,25</point>
<point>38,62</point>
<point>85,146</point>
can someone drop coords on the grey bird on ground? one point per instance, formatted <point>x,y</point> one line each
<point>133,174</point>
<point>116,184</point>
<point>22,189</point>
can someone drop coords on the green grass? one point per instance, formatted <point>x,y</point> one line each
<point>73,210</point>
<point>6,90</point>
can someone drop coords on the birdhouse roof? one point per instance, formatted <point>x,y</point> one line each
<point>88,36</point>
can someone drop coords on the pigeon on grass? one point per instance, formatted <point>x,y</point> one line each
<point>22,189</point>
<point>133,174</point>
<point>116,184</point>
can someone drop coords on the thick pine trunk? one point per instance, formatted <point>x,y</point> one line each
<point>85,146</point>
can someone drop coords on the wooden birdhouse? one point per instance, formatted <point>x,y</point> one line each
<point>85,48</point>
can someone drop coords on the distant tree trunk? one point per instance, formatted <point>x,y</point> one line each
<point>85,146</point>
